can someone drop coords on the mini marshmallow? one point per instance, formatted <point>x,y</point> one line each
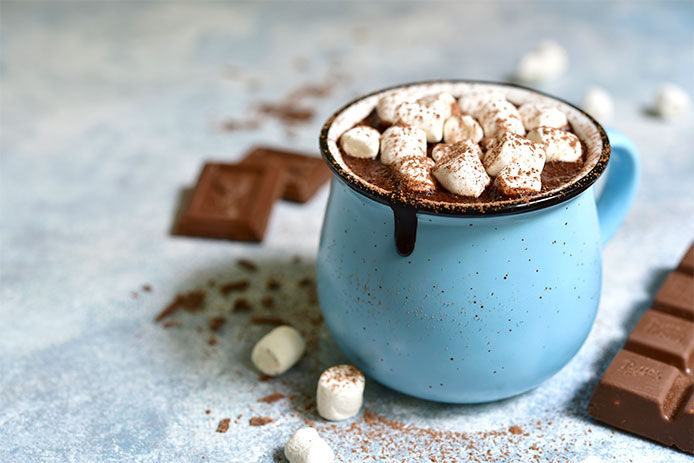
<point>459,128</point>
<point>306,446</point>
<point>537,115</point>
<point>671,101</point>
<point>361,142</point>
<point>498,116</point>
<point>398,141</point>
<point>598,103</point>
<point>443,150</point>
<point>423,117</point>
<point>548,61</point>
<point>278,351</point>
<point>441,102</point>
<point>510,148</point>
<point>560,145</point>
<point>387,104</point>
<point>514,180</point>
<point>461,171</point>
<point>414,173</point>
<point>472,101</point>
<point>340,392</point>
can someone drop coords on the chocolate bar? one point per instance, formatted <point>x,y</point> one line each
<point>231,201</point>
<point>648,389</point>
<point>305,174</point>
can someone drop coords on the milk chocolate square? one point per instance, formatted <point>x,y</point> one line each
<point>676,296</point>
<point>231,201</point>
<point>305,174</point>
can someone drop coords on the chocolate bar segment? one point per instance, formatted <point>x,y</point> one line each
<point>687,264</point>
<point>648,389</point>
<point>231,201</point>
<point>676,296</point>
<point>305,174</point>
<point>665,338</point>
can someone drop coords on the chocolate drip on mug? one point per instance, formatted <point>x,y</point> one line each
<point>405,219</point>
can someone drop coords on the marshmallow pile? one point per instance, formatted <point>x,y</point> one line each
<point>477,139</point>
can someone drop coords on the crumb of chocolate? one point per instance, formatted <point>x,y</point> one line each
<point>286,111</point>
<point>307,281</point>
<point>264,377</point>
<point>274,397</point>
<point>216,323</point>
<point>190,301</point>
<point>171,323</point>
<point>147,288</point>
<point>268,320</point>
<point>239,285</point>
<point>208,411</point>
<point>260,420</point>
<point>223,425</point>
<point>233,125</point>
<point>241,305</point>
<point>273,283</point>
<point>515,430</point>
<point>247,265</point>
<point>268,301</point>
<point>212,340</point>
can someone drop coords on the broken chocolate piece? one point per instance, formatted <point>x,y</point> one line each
<point>231,201</point>
<point>305,174</point>
<point>648,389</point>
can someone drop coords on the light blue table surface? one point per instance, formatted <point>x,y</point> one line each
<point>108,111</point>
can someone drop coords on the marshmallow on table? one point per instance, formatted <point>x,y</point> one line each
<point>340,392</point>
<point>306,446</point>
<point>560,145</point>
<point>499,116</point>
<point>671,101</point>
<point>441,102</point>
<point>414,173</point>
<point>398,141</point>
<point>388,103</point>
<point>510,148</point>
<point>443,150</point>
<point>462,127</point>
<point>547,61</point>
<point>460,171</point>
<point>514,180</point>
<point>361,142</point>
<point>423,117</point>
<point>598,103</point>
<point>278,351</point>
<point>471,102</point>
<point>537,115</point>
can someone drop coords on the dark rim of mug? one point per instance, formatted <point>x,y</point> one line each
<point>511,206</point>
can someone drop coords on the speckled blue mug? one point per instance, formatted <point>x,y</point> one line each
<point>462,303</point>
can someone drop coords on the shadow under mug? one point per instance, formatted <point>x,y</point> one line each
<point>468,304</point>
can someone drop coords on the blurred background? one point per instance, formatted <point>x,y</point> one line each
<point>109,109</point>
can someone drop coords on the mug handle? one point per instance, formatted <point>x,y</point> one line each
<point>624,172</point>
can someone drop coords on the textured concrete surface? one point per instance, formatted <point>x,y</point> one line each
<point>107,112</point>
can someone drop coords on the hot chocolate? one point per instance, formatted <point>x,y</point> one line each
<point>478,146</point>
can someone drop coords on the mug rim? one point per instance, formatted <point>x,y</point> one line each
<point>497,208</point>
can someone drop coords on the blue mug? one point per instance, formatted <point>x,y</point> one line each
<point>462,303</point>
